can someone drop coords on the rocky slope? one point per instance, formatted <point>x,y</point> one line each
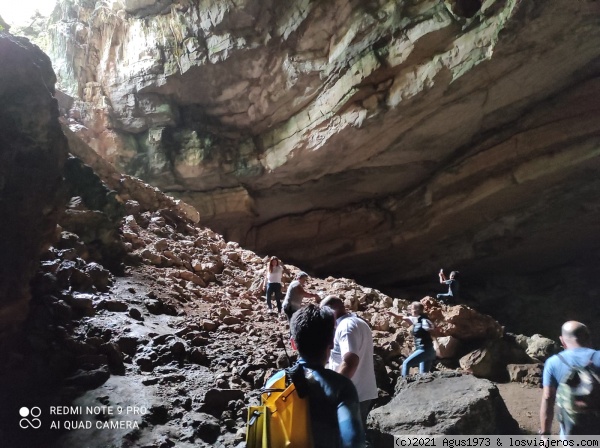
<point>181,342</point>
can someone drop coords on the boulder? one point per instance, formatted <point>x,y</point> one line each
<point>115,305</point>
<point>154,306</point>
<point>209,325</point>
<point>526,373</point>
<point>538,347</point>
<point>89,379</point>
<point>216,400</point>
<point>441,403</point>
<point>446,346</point>
<point>83,303</point>
<point>190,276</point>
<point>461,321</point>
<point>491,360</point>
<point>100,276</point>
<point>206,427</point>
<point>380,322</point>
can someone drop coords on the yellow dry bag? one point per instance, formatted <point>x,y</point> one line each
<point>282,421</point>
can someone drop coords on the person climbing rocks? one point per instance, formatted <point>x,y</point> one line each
<point>272,284</point>
<point>424,353</point>
<point>453,287</point>
<point>295,294</point>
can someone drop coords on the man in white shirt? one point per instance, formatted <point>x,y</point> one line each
<point>352,353</point>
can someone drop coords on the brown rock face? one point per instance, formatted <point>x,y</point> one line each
<point>380,139</point>
<point>461,321</point>
<point>32,152</point>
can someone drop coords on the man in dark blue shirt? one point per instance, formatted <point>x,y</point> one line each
<point>333,401</point>
<point>452,282</point>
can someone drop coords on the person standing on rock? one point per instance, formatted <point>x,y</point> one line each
<point>332,399</point>
<point>295,294</point>
<point>575,338</point>
<point>352,353</point>
<point>424,353</point>
<point>272,283</point>
<point>453,286</point>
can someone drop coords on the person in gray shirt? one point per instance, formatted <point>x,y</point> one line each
<point>295,294</point>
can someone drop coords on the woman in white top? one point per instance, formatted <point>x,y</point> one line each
<point>424,353</point>
<point>272,284</point>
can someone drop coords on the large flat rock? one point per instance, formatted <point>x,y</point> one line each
<point>442,403</point>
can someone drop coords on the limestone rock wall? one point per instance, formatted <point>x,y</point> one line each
<point>32,152</point>
<point>380,139</point>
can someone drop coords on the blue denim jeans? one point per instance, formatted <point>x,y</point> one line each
<point>274,288</point>
<point>422,357</point>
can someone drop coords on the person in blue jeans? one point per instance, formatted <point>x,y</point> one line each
<point>273,281</point>
<point>424,353</point>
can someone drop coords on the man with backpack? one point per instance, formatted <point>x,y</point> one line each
<point>572,380</point>
<point>333,405</point>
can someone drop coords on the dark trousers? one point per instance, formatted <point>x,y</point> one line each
<point>365,408</point>
<point>274,288</point>
<point>448,297</point>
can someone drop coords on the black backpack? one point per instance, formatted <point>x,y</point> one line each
<point>578,399</point>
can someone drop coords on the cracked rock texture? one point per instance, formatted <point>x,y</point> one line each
<point>376,139</point>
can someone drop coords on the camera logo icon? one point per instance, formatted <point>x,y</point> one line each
<point>33,422</point>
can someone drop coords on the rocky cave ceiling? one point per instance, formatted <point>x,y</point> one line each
<point>375,139</point>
